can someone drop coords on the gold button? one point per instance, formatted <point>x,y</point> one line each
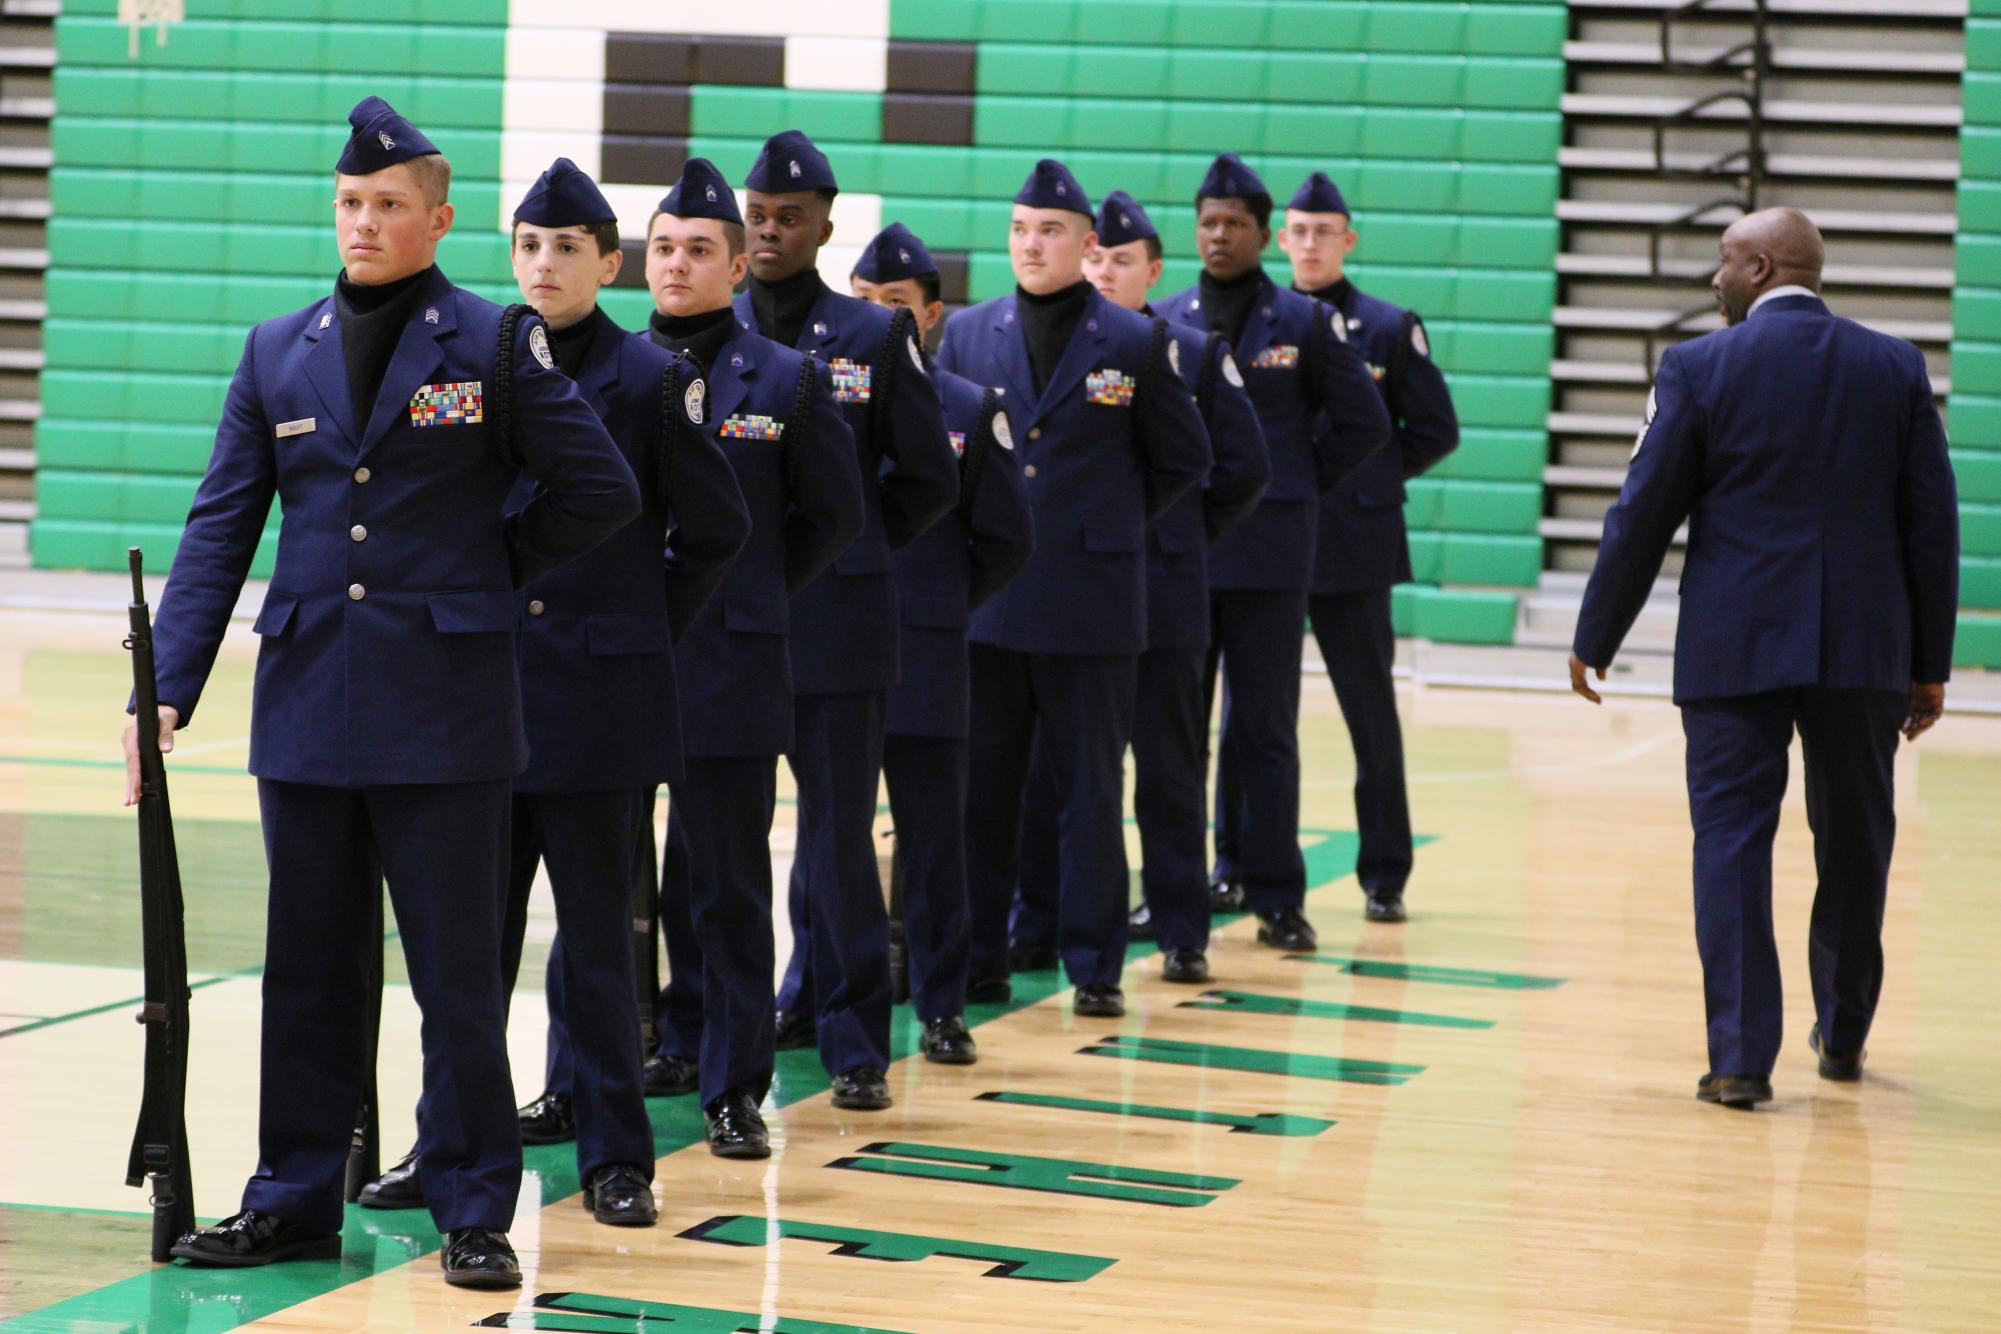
<point>1035,433</point>
<point>536,608</point>
<point>358,533</point>
<point>356,592</point>
<point>361,475</point>
<point>1029,471</point>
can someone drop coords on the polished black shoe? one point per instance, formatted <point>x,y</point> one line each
<point>1225,896</point>
<point>618,1196</point>
<point>1841,1066</point>
<point>989,991</point>
<point>548,1120</point>
<point>797,1031</point>
<point>862,1089</point>
<point>1024,957</point>
<point>398,1188</point>
<point>479,1257</point>
<point>669,1076</point>
<point>1286,929</point>
<point>947,1042</point>
<point>1384,908</point>
<point>1139,923</point>
<point>1742,1092</point>
<point>1100,1000</point>
<point>736,1130</point>
<point>251,1238</point>
<point>1184,966</point>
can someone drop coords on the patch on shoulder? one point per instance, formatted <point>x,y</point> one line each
<point>1641,439</point>
<point>695,399</point>
<point>916,356</point>
<point>538,343</point>
<point>1002,436</point>
<point>1418,340</point>
<point>1174,355</point>
<point>1230,371</point>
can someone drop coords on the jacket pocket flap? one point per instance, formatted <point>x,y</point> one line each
<point>1111,538</point>
<point>276,614</point>
<point>611,635</point>
<point>932,610</point>
<point>473,611</point>
<point>756,616</point>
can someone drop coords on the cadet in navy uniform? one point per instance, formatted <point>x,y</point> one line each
<point>1819,593</point>
<point>954,568</point>
<point>597,685</point>
<point>773,411</point>
<point>1363,549</point>
<point>394,417</point>
<point>1298,366</point>
<point>1170,722</point>
<point>844,656</point>
<point>1110,437</point>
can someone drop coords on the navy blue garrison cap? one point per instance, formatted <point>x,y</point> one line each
<point>1051,185</point>
<point>1318,194</point>
<point>788,162</point>
<point>564,196</point>
<point>1229,178</point>
<point>895,254</point>
<point>1121,221</point>
<point>702,193</point>
<point>381,138</point>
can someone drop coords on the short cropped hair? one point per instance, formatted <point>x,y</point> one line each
<point>733,235</point>
<point>1153,250</point>
<point>433,174</point>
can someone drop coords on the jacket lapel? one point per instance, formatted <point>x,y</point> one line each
<point>736,362</point>
<point>822,327</point>
<point>599,374</point>
<point>1011,346</point>
<point>417,355</point>
<point>1258,324</point>
<point>326,368</point>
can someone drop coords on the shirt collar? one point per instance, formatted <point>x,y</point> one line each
<point>1790,289</point>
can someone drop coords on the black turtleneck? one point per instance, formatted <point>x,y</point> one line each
<point>1229,301</point>
<point>782,307</point>
<point>1047,323</point>
<point>568,345</point>
<point>372,317</point>
<point>700,336</point>
<point>1335,294</point>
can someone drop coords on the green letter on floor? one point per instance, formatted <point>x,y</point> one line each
<point>868,1244</point>
<point>1260,1123</point>
<point>1105,1181</point>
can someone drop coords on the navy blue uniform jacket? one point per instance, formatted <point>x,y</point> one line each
<point>846,623</point>
<point>1296,362</point>
<point>1177,549</point>
<point>597,636</point>
<point>1807,455</point>
<point>388,650</point>
<point>1363,545</point>
<point>958,563</point>
<point>1113,440</point>
<point>804,496</point>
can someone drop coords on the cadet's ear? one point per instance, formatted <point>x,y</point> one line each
<point>826,229</point>
<point>739,266</point>
<point>933,312</point>
<point>609,266</point>
<point>441,221</point>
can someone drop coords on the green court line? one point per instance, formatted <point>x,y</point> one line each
<point>1422,972</point>
<point>1259,1123</point>
<point>1023,1171</point>
<point>1252,1060</point>
<point>1247,1002</point>
<point>1021,1262</point>
<point>53,1020</point>
<point>595,1313</point>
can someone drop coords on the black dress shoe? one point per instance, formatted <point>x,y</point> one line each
<point>1742,1092</point>
<point>1025,957</point>
<point>1225,896</point>
<point>989,991</point>
<point>1185,966</point>
<point>398,1188</point>
<point>548,1120</point>
<point>736,1130</point>
<point>1100,1000</point>
<point>1384,908</point>
<point>1139,923</point>
<point>251,1238</point>
<point>479,1257</point>
<point>947,1042</point>
<point>1842,1066</point>
<point>1286,929</point>
<point>669,1076</point>
<point>862,1089</point>
<point>797,1031</point>
<point>619,1196</point>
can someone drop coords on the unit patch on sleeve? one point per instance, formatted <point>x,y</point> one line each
<point>1277,357</point>
<point>851,380</point>
<point>538,343</point>
<point>1230,371</point>
<point>1112,388</point>
<point>751,426</point>
<point>1002,436</point>
<point>459,404</point>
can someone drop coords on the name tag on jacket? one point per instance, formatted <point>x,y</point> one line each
<point>303,426</point>
<point>1112,388</point>
<point>459,404</point>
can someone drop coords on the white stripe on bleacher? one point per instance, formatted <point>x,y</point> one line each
<point>751,18</point>
<point>841,64</point>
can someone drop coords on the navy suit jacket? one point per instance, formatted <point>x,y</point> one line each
<point>598,685</point>
<point>1807,455</point>
<point>795,466</point>
<point>1113,439</point>
<point>1363,545</point>
<point>1295,360</point>
<point>1177,549</point>
<point>388,651</point>
<point>957,564</point>
<point>846,622</point>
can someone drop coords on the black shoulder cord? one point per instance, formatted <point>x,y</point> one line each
<point>670,427</point>
<point>795,430</point>
<point>978,441</point>
<point>1205,383</point>
<point>501,401</point>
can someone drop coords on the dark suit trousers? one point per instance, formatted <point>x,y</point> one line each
<point>719,896</point>
<point>1169,790</point>
<point>927,801</point>
<point>1359,647</point>
<point>587,840</point>
<point>1736,781</point>
<point>1082,706</point>
<point>1256,641</point>
<point>443,849</point>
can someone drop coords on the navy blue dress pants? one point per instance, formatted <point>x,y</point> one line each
<point>443,849</point>
<point>1359,648</point>
<point>927,801</point>
<point>1256,641</point>
<point>1736,781</point>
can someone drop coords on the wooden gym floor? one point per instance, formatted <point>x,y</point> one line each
<point>1483,1120</point>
